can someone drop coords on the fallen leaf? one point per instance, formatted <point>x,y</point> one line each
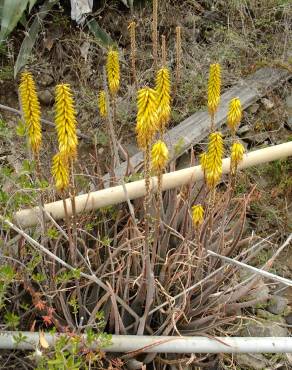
<point>43,342</point>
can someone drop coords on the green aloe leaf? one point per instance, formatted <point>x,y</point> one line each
<point>11,12</point>
<point>31,4</point>
<point>31,36</point>
<point>102,37</point>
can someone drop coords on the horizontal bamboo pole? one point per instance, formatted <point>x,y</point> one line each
<point>164,344</point>
<point>136,189</point>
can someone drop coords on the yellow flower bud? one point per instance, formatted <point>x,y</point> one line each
<point>214,87</point>
<point>214,159</point>
<point>203,161</point>
<point>102,104</point>
<point>234,114</point>
<point>146,117</point>
<point>162,88</point>
<point>113,71</point>
<point>237,152</point>
<point>197,214</point>
<point>159,156</point>
<point>31,110</point>
<point>65,118</point>
<point>60,171</point>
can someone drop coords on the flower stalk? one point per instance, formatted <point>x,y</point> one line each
<point>178,54</point>
<point>66,122</point>
<point>132,28</point>
<point>155,32</point>
<point>32,118</point>
<point>159,159</point>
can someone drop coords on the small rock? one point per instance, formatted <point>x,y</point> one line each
<point>253,108</point>
<point>46,80</point>
<point>184,161</point>
<point>243,130</point>
<point>278,305</point>
<point>288,103</point>
<point>268,104</point>
<point>132,149</point>
<point>288,319</point>
<point>255,361</point>
<point>265,328</point>
<point>46,97</point>
<point>259,138</point>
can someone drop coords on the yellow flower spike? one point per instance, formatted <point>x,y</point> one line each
<point>102,104</point>
<point>31,110</point>
<point>197,215</point>
<point>214,159</point>
<point>65,119</point>
<point>237,151</point>
<point>146,117</point>
<point>60,171</point>
<point>203,161</point>
<point>234,114</point>
<point>113,71</point>
<point>214,87</point>
<point>162,88</point>
<point>159,156</point>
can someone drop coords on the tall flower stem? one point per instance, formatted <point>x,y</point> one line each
<point>110,119</point>
<point>163,50</point>
<point>178,54</point>
<point>155,33</point>
<point>41,198</point>
<point>68,224</point>
<point>159,158</point>
<point>147,269</point>
<point>73,205</point>
<point>132,27</point>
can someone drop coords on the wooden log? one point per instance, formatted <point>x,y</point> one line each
<point>196,127</point>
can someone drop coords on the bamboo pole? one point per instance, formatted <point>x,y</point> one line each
<point>136,189</point>
<point>163,344</point>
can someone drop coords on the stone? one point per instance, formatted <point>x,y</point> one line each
<point>278,305</point>
<point>268,104</point>
<point>265,328</point>
<point>46,97</point>
<point>288,319</point>
<point>243,130</point>
<point>131,148</point>
<point>184,161</point>
<point>258,138</point>
<point>288,103</point>
<point>46,80</point>
<point>248,361</point>
<point>253,108</point>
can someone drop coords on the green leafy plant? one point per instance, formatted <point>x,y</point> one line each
<point>6,278</point>
<point>11,12</point>
<point>11,320</point>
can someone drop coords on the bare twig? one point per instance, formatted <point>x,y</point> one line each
<point>257,271</point>
<point>49,123</point>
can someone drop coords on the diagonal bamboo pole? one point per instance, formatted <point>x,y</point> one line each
<point>136,189</point>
